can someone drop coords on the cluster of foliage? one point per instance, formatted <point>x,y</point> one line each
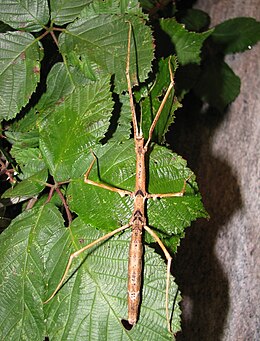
<point>63,93</point>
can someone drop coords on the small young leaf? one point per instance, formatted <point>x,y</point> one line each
<point>237,35</point>
<point>19,71</point>
<point>217,85</point>
<point>69,132</point>
<point>187,44</point>
<point>26,15</point>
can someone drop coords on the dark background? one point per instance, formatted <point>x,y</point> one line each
<point>217,266</point>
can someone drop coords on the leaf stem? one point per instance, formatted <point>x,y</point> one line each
<point>69,216</point>
<point>55,187</point>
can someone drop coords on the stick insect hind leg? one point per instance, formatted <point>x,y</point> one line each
<point>78,252</point>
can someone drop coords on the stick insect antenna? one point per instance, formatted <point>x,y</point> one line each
<point>127,71</point>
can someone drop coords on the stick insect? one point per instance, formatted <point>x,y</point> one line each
<point>138,220</point>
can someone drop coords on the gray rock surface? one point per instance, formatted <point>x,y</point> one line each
<point>218,264</point>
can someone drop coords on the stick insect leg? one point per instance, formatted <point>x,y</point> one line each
<point>169,261</point>
<point>77,253</point>
<point>169,195</point>
<point>156,118</point>
<point>121,192</point>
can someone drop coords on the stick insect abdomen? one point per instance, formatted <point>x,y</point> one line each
<point>138,221</point>
<point>135,261</point>
<point>135,270</point>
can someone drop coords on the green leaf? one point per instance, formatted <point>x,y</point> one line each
<point>102,39</point>
<point>55,199</point>
<point>61,82</point>
<point>194,19</point>
<point>157,8</point>
<point>96,293</point>
<point>217,84</point>
<point>27,139</point>
<point>147,4</point>
<point>29,159</point>
<point>112,7</point>
<point>116,167</point>
<point>167,173</point>
<point>28,187</point>
<point>65,11</point>
<point>186,78</point>
<point>150,105</point>
<point>25,125</point>
<point>187,44</point>
<point>237,35</point>
<point>24,245</point>
<point>19,71</point>
<point>28,15</point>
<point>74,127</point>
<point>123,130</point>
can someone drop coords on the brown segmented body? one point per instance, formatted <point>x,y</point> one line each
<point>137,222</point>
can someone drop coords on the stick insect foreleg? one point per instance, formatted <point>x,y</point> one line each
<point>78,252</point>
